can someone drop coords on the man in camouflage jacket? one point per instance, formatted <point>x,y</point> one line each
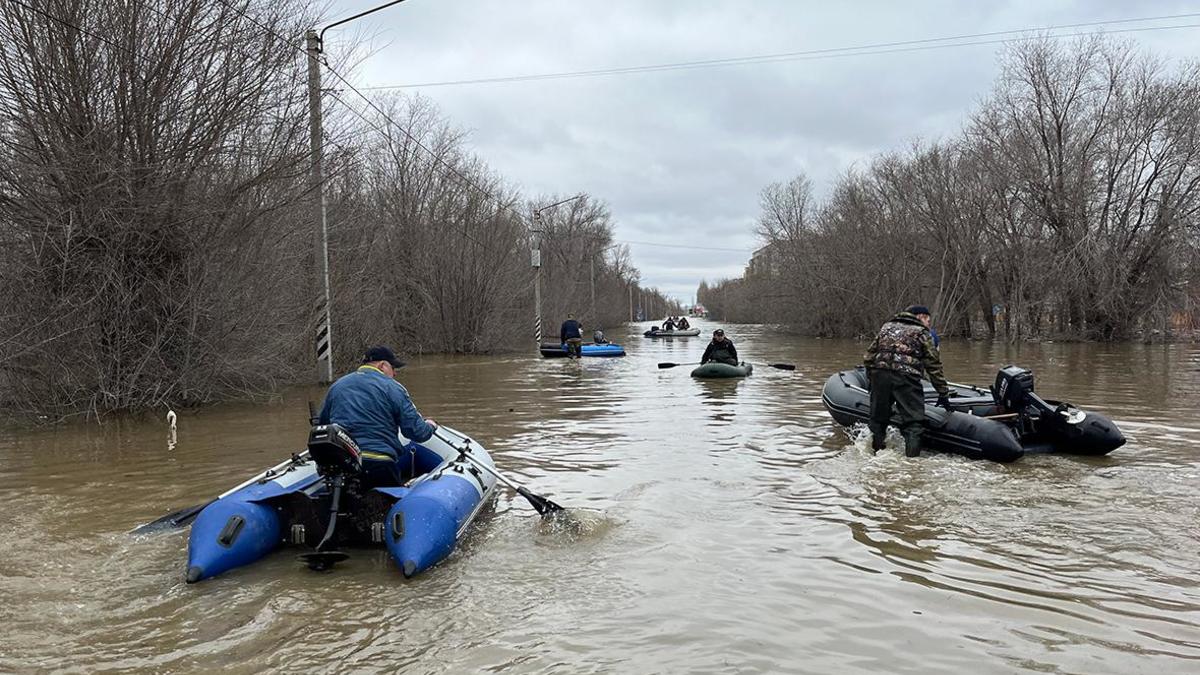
<point>897,359</point>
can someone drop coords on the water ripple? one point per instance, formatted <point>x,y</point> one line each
<point>717,527</point>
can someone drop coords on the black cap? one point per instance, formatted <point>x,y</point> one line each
<point>382,353</point>
<point>918,309</point>
<point>719,331</point>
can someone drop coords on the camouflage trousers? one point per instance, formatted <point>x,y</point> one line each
<point>574,347</point>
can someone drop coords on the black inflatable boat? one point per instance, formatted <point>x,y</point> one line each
<point>1002,423</point>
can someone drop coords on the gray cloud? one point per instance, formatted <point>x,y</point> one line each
<point>681,156</point>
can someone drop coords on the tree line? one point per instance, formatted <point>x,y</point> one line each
<point>157,218</point>
<point>1066,208</point>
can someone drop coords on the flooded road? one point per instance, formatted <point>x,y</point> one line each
<point>733,528</point>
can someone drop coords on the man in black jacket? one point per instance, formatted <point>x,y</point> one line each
<point>720,350</point>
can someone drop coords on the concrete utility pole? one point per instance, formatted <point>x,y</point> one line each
<point>536,261</point>
<point>324,338</point>
<point>313,42</point>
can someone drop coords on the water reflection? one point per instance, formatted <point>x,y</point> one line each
<point>718,397</point>
<point>722,526</point>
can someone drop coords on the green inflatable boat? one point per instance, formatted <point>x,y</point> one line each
<point>714,369</point>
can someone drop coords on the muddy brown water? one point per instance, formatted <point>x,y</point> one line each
<point>731,527</point>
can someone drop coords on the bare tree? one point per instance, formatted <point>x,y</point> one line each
<point>1068,208</point>
<point>150,157</point>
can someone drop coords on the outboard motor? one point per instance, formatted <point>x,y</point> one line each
<point>1014,391</point>
<point>1013,388</point>
<point>335,453</point>
<point>339,461</point>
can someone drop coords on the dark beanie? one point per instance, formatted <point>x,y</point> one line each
<point>918,309</point>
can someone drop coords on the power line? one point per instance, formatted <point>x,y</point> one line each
<point>467,181</point>
<point>814,54</point>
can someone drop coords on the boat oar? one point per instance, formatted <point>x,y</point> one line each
<point>186,515</point>
<point>539,503</point>
<point>781,366</point>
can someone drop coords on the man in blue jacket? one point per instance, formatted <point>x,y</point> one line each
<point>372,406</point>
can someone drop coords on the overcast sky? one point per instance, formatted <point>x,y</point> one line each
<point>680,156</point>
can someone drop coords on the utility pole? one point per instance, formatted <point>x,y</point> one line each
<point>631,303</point>
<point>592,261</point>
<point>324,338</point>
<point>320,287</point>
<point>535,259</point>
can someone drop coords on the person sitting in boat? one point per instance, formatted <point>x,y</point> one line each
<point>598,337</point>
<point>682,324</point>
<point>372,406</point>
<point>571,334</point>
<point>668,325</point>
<point>720,350</point>
<point>900,355</point>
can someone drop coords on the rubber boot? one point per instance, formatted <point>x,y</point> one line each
<point>912,445</point>
<point>877,443</point>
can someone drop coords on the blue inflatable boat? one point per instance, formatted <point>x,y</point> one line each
<point>316,500</point>
<point>550,350</point>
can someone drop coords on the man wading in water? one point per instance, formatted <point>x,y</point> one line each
<point>571,334</point>
<point>903,351</point>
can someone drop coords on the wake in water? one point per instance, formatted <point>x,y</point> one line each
<point>860,439</point>
<point>573,526</point>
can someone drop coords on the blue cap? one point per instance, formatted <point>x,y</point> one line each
<point>919,309</point>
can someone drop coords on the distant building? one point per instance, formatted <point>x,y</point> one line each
<point>764,263</point>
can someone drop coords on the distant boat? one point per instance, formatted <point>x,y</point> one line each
<point>551,350</point>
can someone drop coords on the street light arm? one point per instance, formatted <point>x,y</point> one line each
<point>321,36</point>
<point>536,212</point>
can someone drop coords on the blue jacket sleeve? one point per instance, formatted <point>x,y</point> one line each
<point>411,423</point>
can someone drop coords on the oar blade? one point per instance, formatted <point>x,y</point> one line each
<point>667,365</point>
<point>539,503</point>
<point>173,520</point>
<point>782,366</point>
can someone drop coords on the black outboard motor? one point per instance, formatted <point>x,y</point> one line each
<point>1014,391</point>
<point>339,460</point>
<point>1057,426</point>
<point>1014,388</point>
<point>335,453</point>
